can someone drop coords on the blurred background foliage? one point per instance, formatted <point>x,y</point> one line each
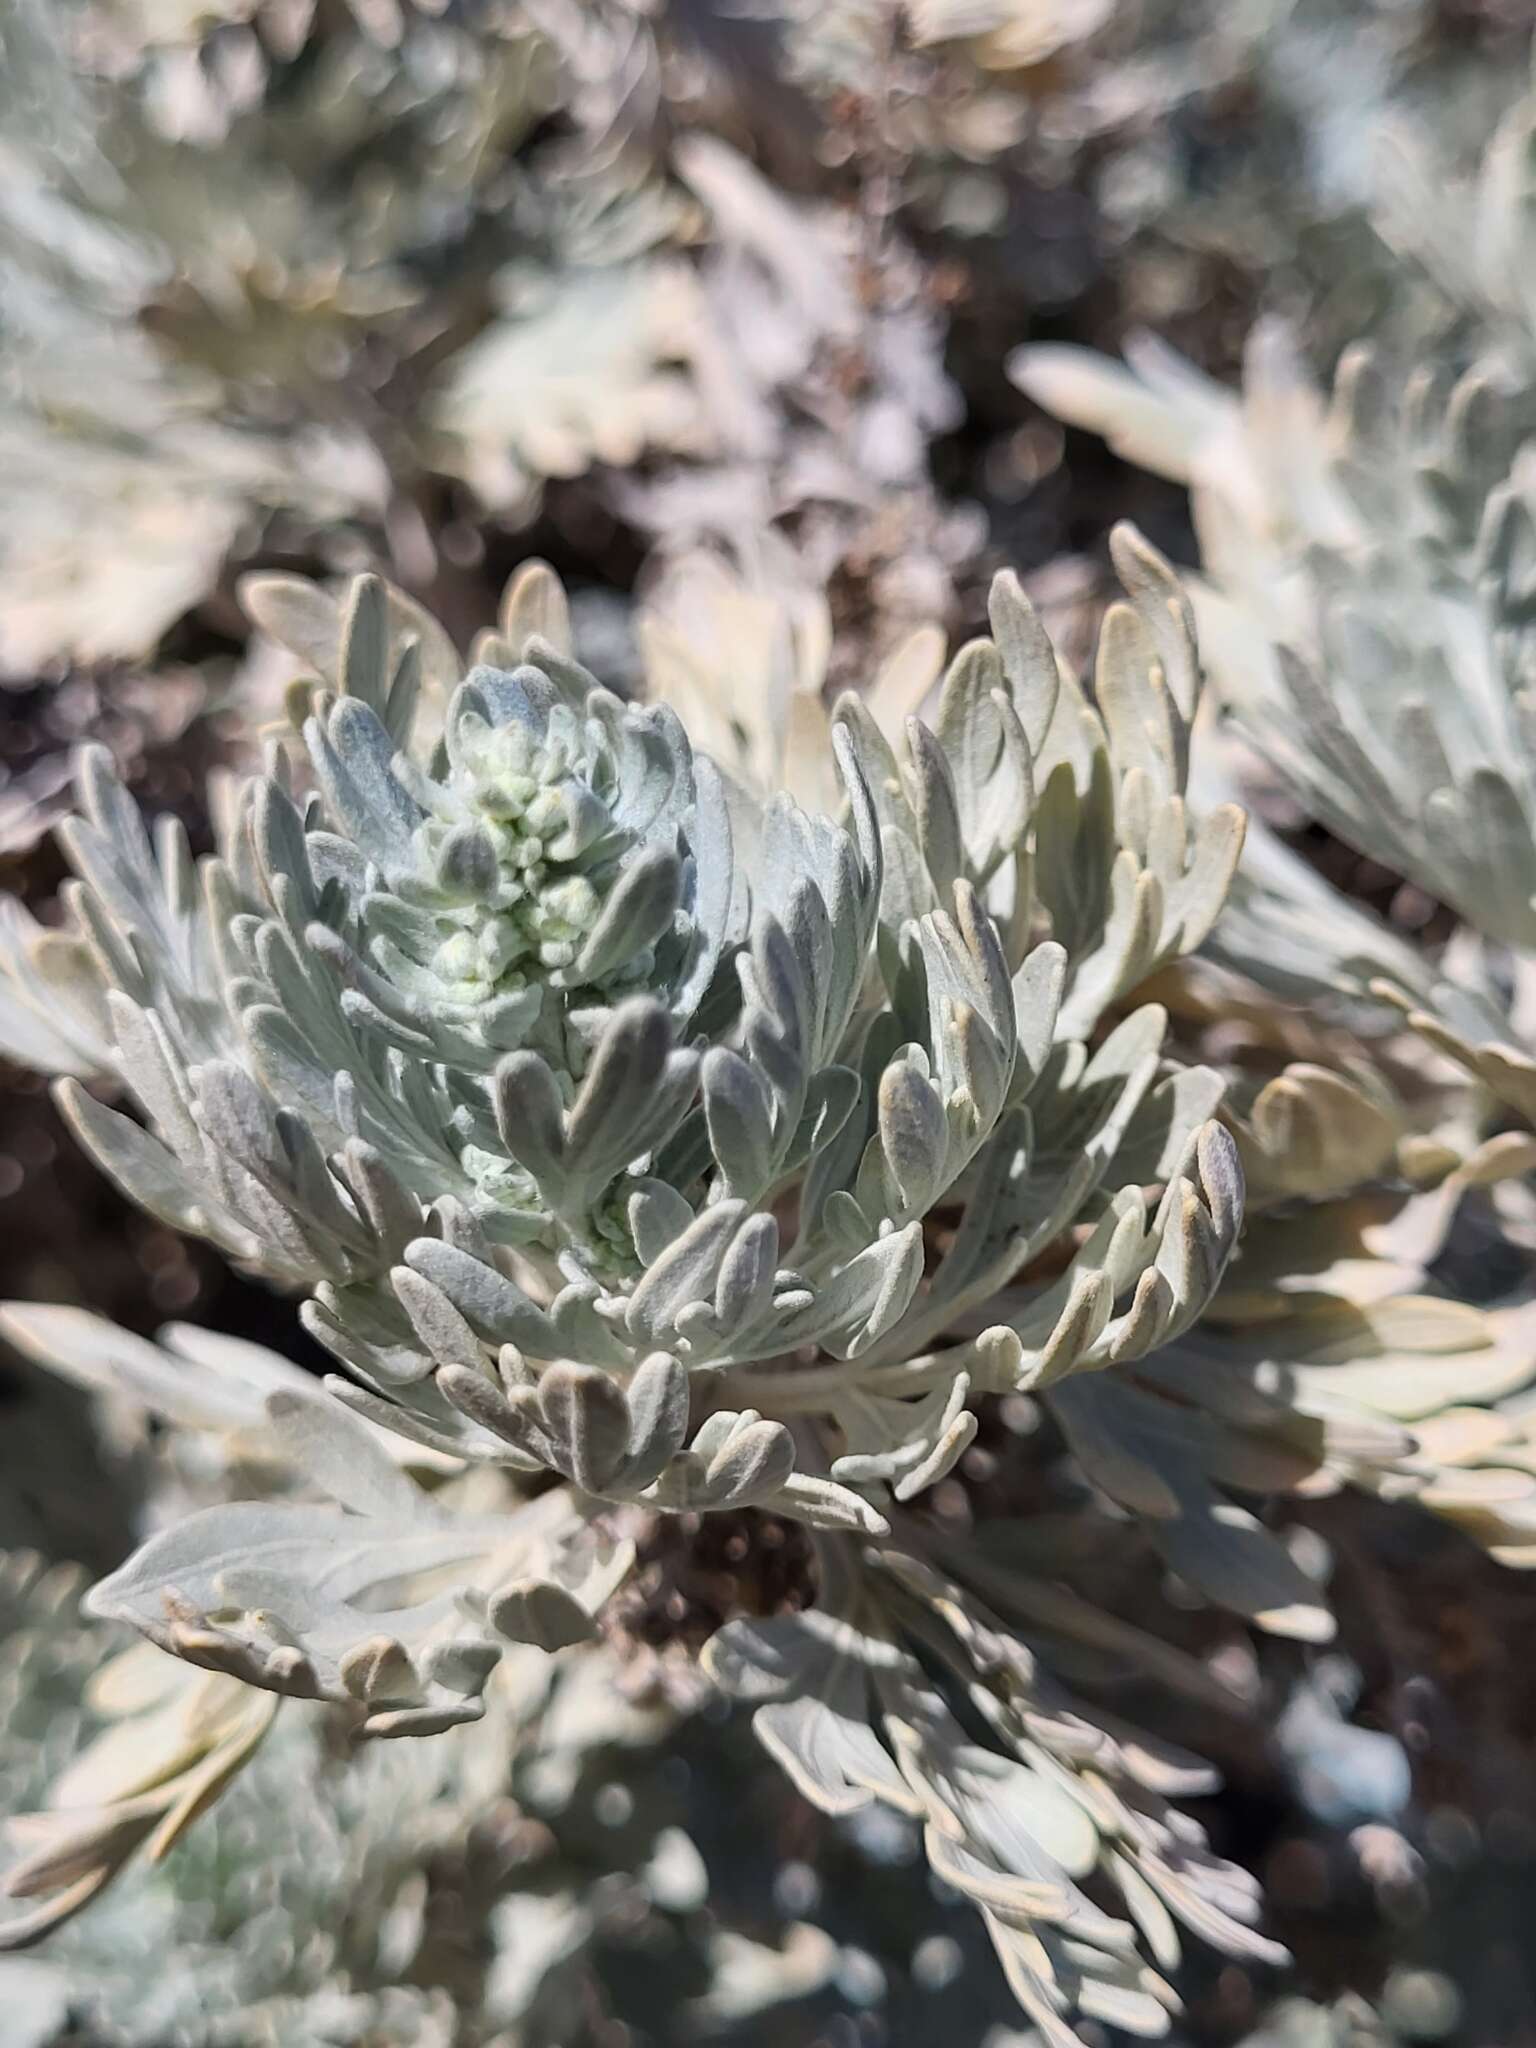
<point>709,303</point>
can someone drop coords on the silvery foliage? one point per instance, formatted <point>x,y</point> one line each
<point>342,1864</point>
<point>1119,96</point>
<point>314,1929</point>
<point>206,205</point>
<point>1369,618</point>
<point>1364,1377</point>
<point>1413,2005</point>
<point>931,1681</point>
<point>601,1110</point>
<point>818,365</point>
<point>274,1926</point>
<point>299,1910</point>
<point>487,1004</point>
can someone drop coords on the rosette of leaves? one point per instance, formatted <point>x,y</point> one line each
<point>675,1147</point>
<point>485,1001</point>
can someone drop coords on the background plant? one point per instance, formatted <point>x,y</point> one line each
<point>710,310</point>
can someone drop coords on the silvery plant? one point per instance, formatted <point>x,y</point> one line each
<point>1367,609</point>
<point>307,1909</point>
<point>649,1150</point>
